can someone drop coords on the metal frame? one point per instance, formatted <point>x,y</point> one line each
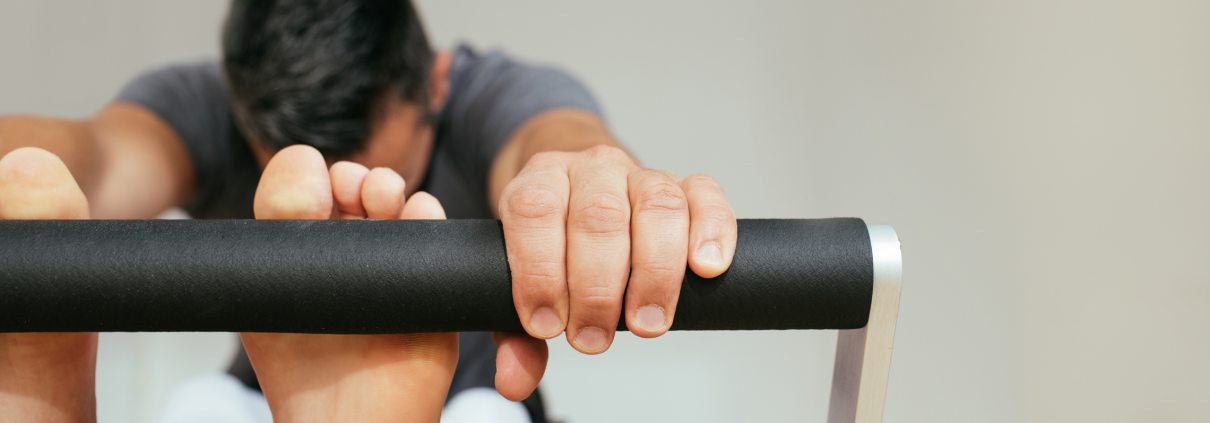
<point>863,356</point>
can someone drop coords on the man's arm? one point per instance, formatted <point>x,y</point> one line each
<point>73,141</point>
<point>563,129</point>
<point>129,162</point>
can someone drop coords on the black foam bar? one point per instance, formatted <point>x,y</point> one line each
<point>381,276</point>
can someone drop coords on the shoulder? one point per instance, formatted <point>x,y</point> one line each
<point>491,95</point>
<point>192,97</point>
<point>199,80</point>
<point>193,100</point>
<point>495,74</point>
<point>498,91</point>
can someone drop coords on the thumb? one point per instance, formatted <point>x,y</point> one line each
<point>520,364</point>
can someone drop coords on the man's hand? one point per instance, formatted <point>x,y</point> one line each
<point>44,377</point>
<point>583,230</point>
<point>362,378</point>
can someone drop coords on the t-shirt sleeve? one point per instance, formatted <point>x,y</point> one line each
<point>192,98</point>
<point>496,94</point>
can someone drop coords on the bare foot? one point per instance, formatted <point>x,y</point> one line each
<point>362,378</point>
<point>44,377</point>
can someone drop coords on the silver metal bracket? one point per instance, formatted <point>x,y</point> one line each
<point>863,356</point>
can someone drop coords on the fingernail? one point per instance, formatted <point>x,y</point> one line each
<point>710,253</point>
<point>650,318</point>
<point>545,323</point>
<point>590,340</point>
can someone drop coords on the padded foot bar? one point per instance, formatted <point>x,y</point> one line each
<point>382,276</point>
<point>392,276</point>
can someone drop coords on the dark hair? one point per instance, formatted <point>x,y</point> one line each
<point>317,72</point>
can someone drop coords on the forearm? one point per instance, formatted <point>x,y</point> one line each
<point>146,167</point>
<point>73,141</point>
<point>129,163</point>
<point>554,130</point>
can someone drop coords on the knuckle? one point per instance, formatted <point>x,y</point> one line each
<point>605,152</point>
<point>539,279</point>
<point>545,159</point>
<point>603,214</point>
<point>597,301</point>
<point>716,216</point>
<point>661,195</point>
<point>534,202</point>
<point>702,181</point>
<point>665,174</point>
<point>663,271</point>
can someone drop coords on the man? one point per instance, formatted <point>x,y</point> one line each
<point>339,109</point>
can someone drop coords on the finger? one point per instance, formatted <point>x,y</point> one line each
<point>533,210</point>
<point>520,364</point>
<point>294,185</point>
<point>35,184</point>
<point>347,178</point>
<point>711,226</point>
<point>382,194</point>
<point>598,246</point>
<point>423,205</point>
<point>660,241</point>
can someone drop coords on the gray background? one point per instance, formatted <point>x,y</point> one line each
<point>1045,164</point>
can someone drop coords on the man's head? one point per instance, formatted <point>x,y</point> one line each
<point>342,76</point>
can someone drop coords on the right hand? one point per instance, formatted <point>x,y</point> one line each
<point>363,378</point>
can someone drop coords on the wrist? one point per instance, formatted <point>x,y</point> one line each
<point>568,130</point>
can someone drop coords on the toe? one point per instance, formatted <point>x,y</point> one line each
<point>423,205</point>
<point>347,178</point>
<point>35,184</point>
<point>382,194</point>
<point>294,185</point>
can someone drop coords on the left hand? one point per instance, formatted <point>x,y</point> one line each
<point>584,229</point>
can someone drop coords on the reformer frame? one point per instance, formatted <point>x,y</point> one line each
<point>863,356</point>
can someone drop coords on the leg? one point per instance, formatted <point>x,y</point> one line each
<point>863,356</point>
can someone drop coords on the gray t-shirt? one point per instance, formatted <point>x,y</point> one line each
<point>490,96</point>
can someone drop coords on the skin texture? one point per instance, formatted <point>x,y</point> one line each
<point>128,162</point>
<point>363,378</point>
<point>585,229</point>
<point>591,236</point>
<point>44,377</point>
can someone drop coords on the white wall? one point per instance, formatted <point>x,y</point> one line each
<point>1045,164</point>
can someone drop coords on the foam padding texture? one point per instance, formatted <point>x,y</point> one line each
<point>381,276</point>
